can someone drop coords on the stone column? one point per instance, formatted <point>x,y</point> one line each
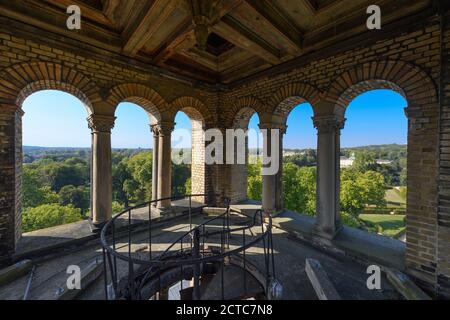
<point>101,180</point>
<point>10,180</point>
<point>271,181</point>
<point>328,178</point>
<point>279,201</point>
<point>165,164</point>
<point>155,131</point>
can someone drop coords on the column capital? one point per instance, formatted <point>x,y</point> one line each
<point>273,126</point>
<point>329,123</point>
<point>163,128</point>
<point>101,123</point>
<point>154,128</point>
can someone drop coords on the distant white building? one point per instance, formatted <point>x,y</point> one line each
<point>348,162</point>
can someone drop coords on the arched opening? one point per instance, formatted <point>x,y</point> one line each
<point>245,172</point>
<point>132,156</point>
<point>56,159</point>
<point>253,181</point>
<point>373,161</point>
<point>188,154</point>
<point>299,161</point>
<point>182,155</point>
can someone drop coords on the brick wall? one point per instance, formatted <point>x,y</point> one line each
<point>408,62</point>
<point>10,180</point>
<point>443,223</point>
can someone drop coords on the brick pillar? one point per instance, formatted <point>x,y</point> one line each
<point>165,164</point>
<point>198,169</point>
<point>10,180</point>
<point>101,180</point>
<point>155,155</point>
<point>328,174</point>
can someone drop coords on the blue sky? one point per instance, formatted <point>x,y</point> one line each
<point>57,119</point>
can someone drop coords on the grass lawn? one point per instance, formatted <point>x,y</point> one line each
<point>388,225</point>
<point>393,197</point>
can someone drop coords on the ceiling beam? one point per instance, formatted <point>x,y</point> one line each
<point>185,39</point>
<point>269,11</point>
<point>109,6</point>
<point>154,16</point>
<point>86,11</point>
<point>234,32</point>
<point>202,57</point>
<point>182,42</point>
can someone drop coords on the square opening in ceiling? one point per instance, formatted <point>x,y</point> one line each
<point>217,45</point>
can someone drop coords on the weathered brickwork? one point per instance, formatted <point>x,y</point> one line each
<point>10,179</point>
<point>29,65</point>
<point>408,62</point>
<point>443,223</point>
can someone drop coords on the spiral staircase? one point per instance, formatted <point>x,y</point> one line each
<point>208,261</point>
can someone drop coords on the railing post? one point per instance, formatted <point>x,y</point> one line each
<point>196,255</point>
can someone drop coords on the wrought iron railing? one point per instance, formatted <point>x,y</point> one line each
<point>142,276</point>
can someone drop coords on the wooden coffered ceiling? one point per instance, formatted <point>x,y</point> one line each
<point>215,41</point>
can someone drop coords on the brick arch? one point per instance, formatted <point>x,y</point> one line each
<point>21,80</point>
<point>242,117</point>
<point>141,95</point>
<point>195,109</point>
<point>243,109</point>
<point>288,97</point>
<point>199,115</point>
<point>406,79</point>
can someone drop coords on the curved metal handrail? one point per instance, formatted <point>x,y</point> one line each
<point>216,257</point>
<point>154,264</point>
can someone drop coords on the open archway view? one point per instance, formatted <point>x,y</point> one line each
<point>298,170</point>
<point>374,164</point>
<point>182,155</point>
<point>300,161</point>
<point>132,156</point>
<point>133,152</point>
<point>254,178</point>
<point>56,161</point>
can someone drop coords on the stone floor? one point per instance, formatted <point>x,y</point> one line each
<point>39,242</point>
<point>348,276</point>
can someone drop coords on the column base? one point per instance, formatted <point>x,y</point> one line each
<point>327,233</point>
<point>96,227</point>
<point>163,211</point>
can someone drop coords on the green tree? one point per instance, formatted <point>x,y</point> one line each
<point>121,174</point>
<point>63,174</point>
<point>117,207</point>
<point>75,196</point>
<point>49,215</point>
<point>254,180</point>
<point>34,191</point>
<point>364,161</point>
<point>299,188</point>
<point>138,186</point>
<point>254,188</point>
<point>181,173</point>
<point>361,189</point>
